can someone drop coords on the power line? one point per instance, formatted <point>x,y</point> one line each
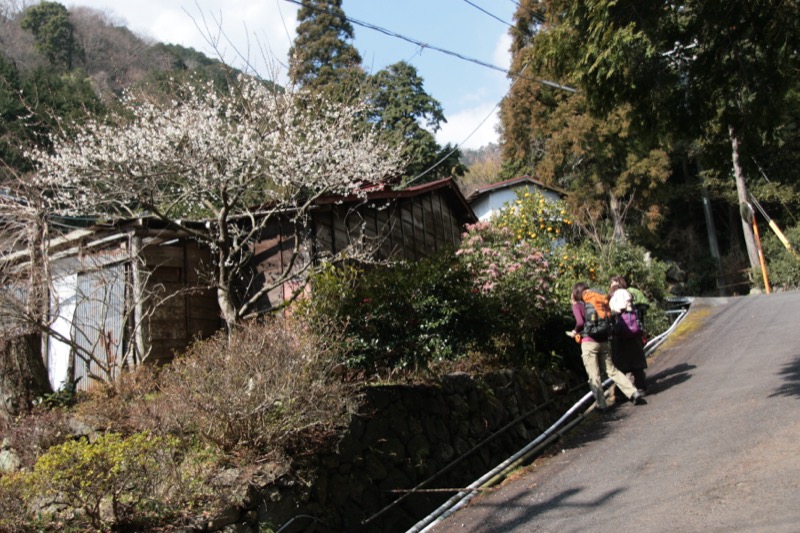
<point>479,8</point>
<point>431,47</point>
<point>451,152</point>
<point>515,77</point>
<point>764,175</point>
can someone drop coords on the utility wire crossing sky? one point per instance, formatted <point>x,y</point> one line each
<point>459,47</point>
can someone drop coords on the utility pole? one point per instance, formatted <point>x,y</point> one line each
<point>741,190</point>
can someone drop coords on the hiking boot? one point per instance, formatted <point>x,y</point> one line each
<point>638,398</point>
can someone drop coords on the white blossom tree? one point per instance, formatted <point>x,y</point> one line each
<point>234,160</point>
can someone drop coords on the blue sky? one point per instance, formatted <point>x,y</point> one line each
<point>262,30</point>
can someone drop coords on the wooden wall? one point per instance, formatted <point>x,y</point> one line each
<point>272,255</point>
<point>399,228</point>
<point>407,228</point>
<point>185,315</point>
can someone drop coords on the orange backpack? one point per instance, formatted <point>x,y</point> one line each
<point>597,315</point>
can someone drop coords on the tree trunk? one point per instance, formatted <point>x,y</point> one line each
<point>23,376</point>
<point>227,309</point>
<point>618,219</point>
<point>741,190</point>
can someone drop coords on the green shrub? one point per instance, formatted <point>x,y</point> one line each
<point>112,482</point>
<point>489,300</point>
<point>401,316</point>
<point>584,262</point>
<point>783,267</point>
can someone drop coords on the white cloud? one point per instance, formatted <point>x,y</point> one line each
<point>463,123</point>
<point>502,55</point>
<point>258,30</point>
<point>479,104</point>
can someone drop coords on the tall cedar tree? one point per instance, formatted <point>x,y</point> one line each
<point>322,55</point>
<point>54,33</point>
<point>612,171</point>
<point>322,59</point>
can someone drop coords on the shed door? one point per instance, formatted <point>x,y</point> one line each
<point>98,324</point>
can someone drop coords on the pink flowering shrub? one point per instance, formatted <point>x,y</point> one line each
<point>517,281</point>
<point>499,264</point>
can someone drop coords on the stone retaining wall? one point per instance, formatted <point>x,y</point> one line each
<point>403,436</point>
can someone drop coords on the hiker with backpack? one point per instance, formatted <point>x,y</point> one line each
<point>627,348</point>
<point>592,331</point>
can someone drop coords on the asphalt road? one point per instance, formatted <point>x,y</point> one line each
<point>716,449</point>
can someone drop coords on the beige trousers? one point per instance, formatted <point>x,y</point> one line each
<point>593,354</point>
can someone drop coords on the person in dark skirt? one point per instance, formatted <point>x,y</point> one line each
<point>596,356</point>
<point>627,349</point>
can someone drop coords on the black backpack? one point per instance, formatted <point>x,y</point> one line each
<point>597,315</point>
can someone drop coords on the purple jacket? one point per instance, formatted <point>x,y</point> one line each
<point>580,319</point>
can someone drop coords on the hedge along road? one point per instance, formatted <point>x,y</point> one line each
<point>716,449</point>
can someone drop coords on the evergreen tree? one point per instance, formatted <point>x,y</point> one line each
<point>740,62</point>
<point>518,109</point>
<point>53,32</point>
<point>695,78</point>
<point>613,172</point>
<point>322,55</point>
<point>410,117</point>
<point>35,104</point>
<point>12,110</point>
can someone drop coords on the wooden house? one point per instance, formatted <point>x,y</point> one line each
<point>101,321</point>
<point>408,224</point>
<point>122,295</point>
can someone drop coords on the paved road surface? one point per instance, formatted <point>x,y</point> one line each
<point>717,448</point>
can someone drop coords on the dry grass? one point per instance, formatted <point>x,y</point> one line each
<point>255,388</point>
<point>692,323</point>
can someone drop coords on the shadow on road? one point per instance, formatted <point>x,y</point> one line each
<point>527,509</point>
<point>791,375</point>
<point>669,377</point>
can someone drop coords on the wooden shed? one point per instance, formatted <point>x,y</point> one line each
<point>101,322</point>
<point>122,295</point>
<point>408,224</point>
